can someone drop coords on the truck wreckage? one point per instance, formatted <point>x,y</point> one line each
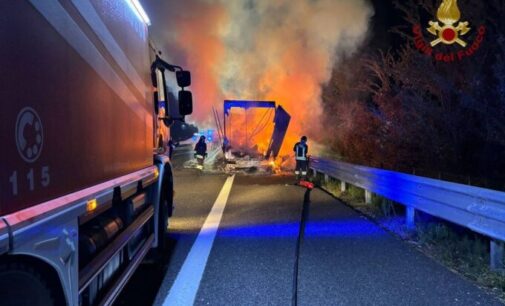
<point>240,154</point>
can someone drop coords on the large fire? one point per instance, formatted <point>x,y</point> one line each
<point>250,130</point>
<point>281,50</point>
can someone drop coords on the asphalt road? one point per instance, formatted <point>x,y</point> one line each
<point>344,258</point>
<point>194,195</point>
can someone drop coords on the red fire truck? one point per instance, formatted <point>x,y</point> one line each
<point>84,193</point>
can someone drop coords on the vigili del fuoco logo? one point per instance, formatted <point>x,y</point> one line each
<point>449,29</point>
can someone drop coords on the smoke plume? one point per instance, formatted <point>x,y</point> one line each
<point>281,50</point>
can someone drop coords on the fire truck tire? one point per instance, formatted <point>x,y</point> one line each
<point>20,284</point>
<point>166,206</point>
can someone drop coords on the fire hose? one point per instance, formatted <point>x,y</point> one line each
<point>301,234</point>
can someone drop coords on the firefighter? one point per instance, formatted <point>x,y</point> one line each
<point>226,145</point>
<point>201,151</point>
<point>301,149</point>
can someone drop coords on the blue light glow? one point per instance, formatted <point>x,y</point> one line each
<point>350,228</point>
<point>285,230</point>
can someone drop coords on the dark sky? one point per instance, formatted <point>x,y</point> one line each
<point>386,17</point>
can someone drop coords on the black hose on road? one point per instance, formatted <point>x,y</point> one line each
<point>301,232</point>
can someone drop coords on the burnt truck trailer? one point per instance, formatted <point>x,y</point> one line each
<point>281,123</point>
<point>83,195</point>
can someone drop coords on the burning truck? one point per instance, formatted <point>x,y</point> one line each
<point>252,140</point>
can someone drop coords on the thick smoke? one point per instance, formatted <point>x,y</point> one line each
<point>281,50</point>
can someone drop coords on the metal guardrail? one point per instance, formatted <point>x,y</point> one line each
<point>481,210</point>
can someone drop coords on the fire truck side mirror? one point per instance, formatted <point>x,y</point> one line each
<point>185,103</point>
<point>183,78</point>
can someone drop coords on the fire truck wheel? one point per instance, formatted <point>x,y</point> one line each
<point>20,284</point>
<point>166,205</point>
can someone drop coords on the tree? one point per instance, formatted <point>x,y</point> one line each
<point>402,109</point>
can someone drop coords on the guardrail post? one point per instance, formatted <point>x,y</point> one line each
<point>326,178</point>
<point>497,255</point>
<point>314,173</point>
<point>343,186</point>
<point>410,217</point>
<point>368,197</point>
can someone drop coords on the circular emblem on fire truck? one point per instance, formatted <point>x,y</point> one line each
<point>29,134</point>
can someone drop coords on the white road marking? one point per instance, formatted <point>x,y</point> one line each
<point>185,287</point>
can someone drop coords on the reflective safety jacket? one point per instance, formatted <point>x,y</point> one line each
<point>301,150</point>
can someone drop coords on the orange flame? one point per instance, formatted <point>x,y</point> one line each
<point>281,50</point>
